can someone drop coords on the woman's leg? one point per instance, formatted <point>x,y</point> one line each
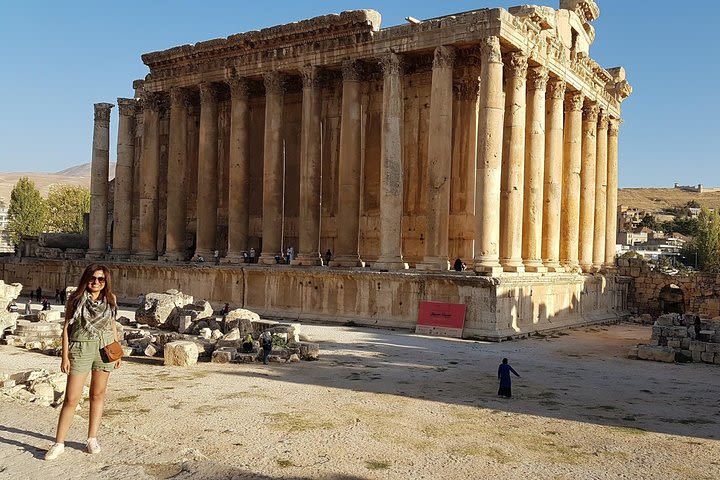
<point>73,392</point>
<point>98,385</point>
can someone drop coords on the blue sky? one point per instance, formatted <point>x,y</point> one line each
<point>58,58</point>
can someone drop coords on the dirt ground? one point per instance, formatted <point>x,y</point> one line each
<point>389,405</point>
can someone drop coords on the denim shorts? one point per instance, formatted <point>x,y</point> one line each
<point>85,356</point>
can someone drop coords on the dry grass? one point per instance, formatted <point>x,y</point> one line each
<point>656,199</point>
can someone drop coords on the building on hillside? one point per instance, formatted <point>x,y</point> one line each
<point>633,237</point>
<point>489,136</point>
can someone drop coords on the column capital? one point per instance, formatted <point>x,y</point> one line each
<point>391,64</point>
<point>614,127</point>
<point>467,88</point>
<point>516,64</point>
<point>311,76</point>
<point>490,50</point>
<point>590,112</point>
<point>444,57</point>
<point>352,71</point>
<point>537,78</point>
<point>274,83</point>
<point>102,113</point>
<point>556,88</point>
<point>152,101</point>
<point>239,87</point>
<point>574,101</point>
<point>127,107</point>
<point>179,97</point>
<point>602,120</point>
<point>208,93</point>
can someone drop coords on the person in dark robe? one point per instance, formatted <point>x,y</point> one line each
<point>504,371</point>
<point>458,265</point>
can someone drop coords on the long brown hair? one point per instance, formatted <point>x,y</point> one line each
<point>85,278</point>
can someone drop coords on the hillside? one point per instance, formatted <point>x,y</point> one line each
<point>75,175</point>
<point>655,199</point>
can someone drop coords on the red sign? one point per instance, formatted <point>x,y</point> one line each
<point>437,318</point>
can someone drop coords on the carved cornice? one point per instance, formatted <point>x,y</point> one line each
<point>102,113</point>
<point>274,83</point>
<point>490,50</point>
<point>602,120</point>
<point>391,64</point>
<point>574,101</point>
<point>590,112</point>
<point>516,64</point>
<point>208,93</point>
<point>556,88</point>
<point>128,106</point>
<point>614,127</point>
<point>444,57</point>
<point>239,88</point>
<point>537,78</point>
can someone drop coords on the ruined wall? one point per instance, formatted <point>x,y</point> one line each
<point>701,292</point>
<point>497,308</point>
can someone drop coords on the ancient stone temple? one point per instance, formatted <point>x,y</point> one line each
<point>490,136</point>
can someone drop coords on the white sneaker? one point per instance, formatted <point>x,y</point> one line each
<point>55,451</point>
<point>92,446</point>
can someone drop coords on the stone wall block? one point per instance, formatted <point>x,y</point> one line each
<point>656,353</point>
<point>707,357</point>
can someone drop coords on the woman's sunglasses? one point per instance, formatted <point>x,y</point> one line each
<point>98,279</point>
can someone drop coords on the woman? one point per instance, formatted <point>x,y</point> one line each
<point>89,325</point>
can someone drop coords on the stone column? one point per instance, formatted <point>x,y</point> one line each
<point>310,164</point>
<point>238,213</point>
<point>177,166</point>
<point>148,176</point>
<point>572,155</point>
<point>349,170</point>
<point>273,168</point>
<point>612,191</point>
<point>99,180</point>
<point>207,191</point>
<point>552,188</point>
<point>587,185</point>
<point>122,216</point>
<point>391,171</point>
<point>534,170</point>
<point>489,159</point>
<point>512,184</point>
<point>600,192</point>
<point>439,162</point>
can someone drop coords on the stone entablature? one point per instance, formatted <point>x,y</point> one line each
<point>329,40</point>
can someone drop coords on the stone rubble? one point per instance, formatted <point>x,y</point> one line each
<point>38,386</point>
<point>674,339</point>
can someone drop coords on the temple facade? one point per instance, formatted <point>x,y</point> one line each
<point>490,136</point>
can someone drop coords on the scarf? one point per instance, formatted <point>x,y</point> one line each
<point>94,316</point>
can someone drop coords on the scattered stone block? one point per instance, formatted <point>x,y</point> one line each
<point>205,333</point>
<point>184,323</point>
<point>233,334</point>
<point>658,354</point>
<point>127,351</point>
<point>245,357</point>
<point>158,307</point>
<point>22,378</point>
<point>44,391</point>
<point>151,350</point>
<point>707,357</point>
<point>223,355</point>
<point>308,350</point>
<point>216,334</point>
<point>181,353</point>
<point>295,358</point>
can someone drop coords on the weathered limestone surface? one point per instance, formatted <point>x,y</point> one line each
<point>159,307</point>
<point>181,353</point>
<point>496,307</point>
<point>99,179</point>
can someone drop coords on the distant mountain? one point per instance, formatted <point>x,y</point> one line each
<point>656,199</point>
<point>83,170</point>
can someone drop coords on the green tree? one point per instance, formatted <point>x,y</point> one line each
<point>684,225</point>
<point>66,205</point>
<point>650,222</point>
<point>28,212</point>
<point>706,244</point>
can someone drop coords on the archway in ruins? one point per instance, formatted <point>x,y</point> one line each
<point>671,299</point>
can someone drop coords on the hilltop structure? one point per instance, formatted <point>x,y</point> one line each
<point>489,136</point>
